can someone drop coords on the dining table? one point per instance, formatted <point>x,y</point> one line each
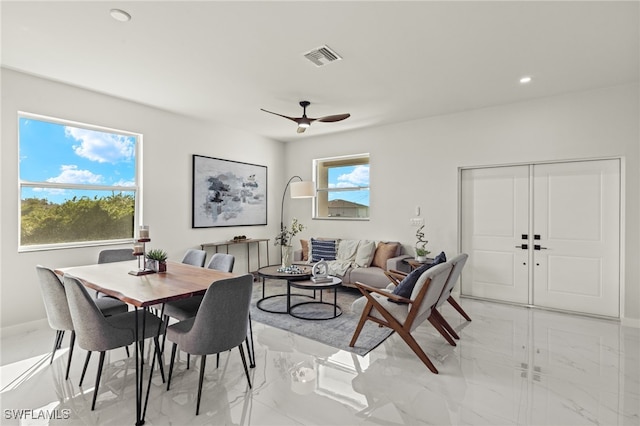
<point>180,281</point>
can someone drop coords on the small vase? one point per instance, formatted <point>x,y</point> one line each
<point>287,255</point>
<point>156,266</point>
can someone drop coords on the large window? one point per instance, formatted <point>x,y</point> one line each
<point>78,183</point>
<point>342,185</point>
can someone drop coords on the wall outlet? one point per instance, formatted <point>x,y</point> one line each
<point>416,221</point>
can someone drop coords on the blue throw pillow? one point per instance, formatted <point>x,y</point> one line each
<point>323,249</point>
<point>405,287</point>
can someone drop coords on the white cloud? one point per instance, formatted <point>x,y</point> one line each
<point>358,177</point>
<point>100,146</point>
<point>124,183</point>
<point>71,174</point>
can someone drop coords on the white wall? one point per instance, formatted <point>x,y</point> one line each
<point>413,163</point>
<point>169,142</point>
<point>416,164</point>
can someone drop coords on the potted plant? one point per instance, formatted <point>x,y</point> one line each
<point>157,260</point>
<point>421,246</point>
<point>284,238</point>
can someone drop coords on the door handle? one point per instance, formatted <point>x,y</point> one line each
<point>523,246</point>
<point>538,247</point>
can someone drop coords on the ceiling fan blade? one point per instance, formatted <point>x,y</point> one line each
<point>275,113</point>
<point>301,129</point>
<point>332,118</point>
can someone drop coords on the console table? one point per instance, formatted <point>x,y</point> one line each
<point>246,241</point>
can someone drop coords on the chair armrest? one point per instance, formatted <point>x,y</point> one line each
<point>395,278</point>
<point>366,288</point>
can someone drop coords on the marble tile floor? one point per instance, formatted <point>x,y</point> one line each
<point>512,366</point>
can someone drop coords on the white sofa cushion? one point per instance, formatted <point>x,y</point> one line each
<point>365,252</point>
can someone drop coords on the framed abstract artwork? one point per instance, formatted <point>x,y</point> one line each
<point>228,193</point>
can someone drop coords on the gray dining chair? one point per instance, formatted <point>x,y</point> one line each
<point>57,309</point>
<point>194,257</point>
<point>187,308</point>
<point>220,325</point>
<point>97,333</point>
<point>116,255</point>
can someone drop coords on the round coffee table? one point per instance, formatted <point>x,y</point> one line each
<point>271,272</point>
<point>308,284</point>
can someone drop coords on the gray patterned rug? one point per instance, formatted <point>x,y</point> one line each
<point>336,332</point>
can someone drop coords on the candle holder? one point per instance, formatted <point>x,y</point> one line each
<point>140,250</point>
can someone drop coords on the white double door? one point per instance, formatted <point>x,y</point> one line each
<point>544,234</point>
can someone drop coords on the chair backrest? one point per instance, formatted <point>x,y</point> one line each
<point>222,262</point>
<point>426,293</point>
<point>457,263</point>
<point>115,255</point>
<point>55,299</point>
<point>93,331</point>
<point>194,257</point>
<point>222,319</point>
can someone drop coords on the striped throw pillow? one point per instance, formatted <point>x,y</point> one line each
<point>323,249</point>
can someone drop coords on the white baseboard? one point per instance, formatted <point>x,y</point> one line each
<point>14,330</point>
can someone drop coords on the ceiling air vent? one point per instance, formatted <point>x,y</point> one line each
<point>322,56</point>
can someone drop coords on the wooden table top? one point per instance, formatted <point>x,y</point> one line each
<point>179,282</point>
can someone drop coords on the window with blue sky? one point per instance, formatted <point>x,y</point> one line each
<point>73,179</point>
<point>342,185</point>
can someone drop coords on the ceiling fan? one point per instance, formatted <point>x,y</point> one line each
<point>304,121</point>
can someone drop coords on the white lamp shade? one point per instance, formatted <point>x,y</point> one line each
<point>304,189</point>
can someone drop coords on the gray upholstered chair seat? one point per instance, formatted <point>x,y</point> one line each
<point>110,306</point>
<point>183,309</point>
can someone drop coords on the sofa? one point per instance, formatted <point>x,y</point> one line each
<point>354,260</point>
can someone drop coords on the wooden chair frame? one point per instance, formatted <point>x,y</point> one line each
<point>403,329</point>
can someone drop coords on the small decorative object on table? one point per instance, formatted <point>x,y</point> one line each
<point>320,272</point>
<point>284,238</point>
<point>239,238</point>
<point>421,246</point>
<point>292,269</point>
<point>157,260</point>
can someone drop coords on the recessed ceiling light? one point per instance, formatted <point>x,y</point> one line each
<point>120,15</point>
<point>526,79</point>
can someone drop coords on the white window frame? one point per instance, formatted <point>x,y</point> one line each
<point>320,201</point>
<point>137,189</point>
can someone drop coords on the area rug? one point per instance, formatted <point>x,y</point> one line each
<point>336,332</point>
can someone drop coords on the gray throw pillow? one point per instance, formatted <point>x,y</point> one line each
<point>405,287</point>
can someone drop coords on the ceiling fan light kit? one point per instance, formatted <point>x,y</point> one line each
<point>304,122</point>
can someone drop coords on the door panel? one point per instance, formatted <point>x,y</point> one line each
<point>568,215</point>
<point>576,213</point>
<point>495,214</point>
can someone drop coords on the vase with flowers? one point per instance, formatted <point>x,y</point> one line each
<point>284,240</point>
<point>421,245</point>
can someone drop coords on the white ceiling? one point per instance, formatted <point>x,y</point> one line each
<point>223,61</point>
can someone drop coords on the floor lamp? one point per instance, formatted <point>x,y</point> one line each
<point>302,189</point>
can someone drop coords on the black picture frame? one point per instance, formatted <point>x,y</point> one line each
<point>228,193</point>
